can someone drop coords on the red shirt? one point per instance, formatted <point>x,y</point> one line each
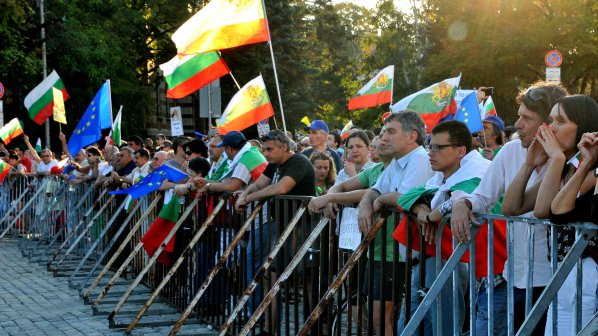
<point>27,163</point>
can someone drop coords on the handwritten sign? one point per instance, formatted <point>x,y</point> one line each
<point>349,235</point>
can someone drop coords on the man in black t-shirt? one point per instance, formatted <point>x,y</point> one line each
<point>287,174</point>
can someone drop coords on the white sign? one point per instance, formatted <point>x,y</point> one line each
<point>553,75</point>
<point>349,235</point>
<point>1,113</point>
<point>176,121</point>
<point>263,127</point>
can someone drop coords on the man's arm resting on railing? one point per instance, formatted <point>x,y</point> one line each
<point>366,210</point>
<point>461,218</point>
<point>285,185</point>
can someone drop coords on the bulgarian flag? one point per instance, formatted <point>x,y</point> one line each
<point>10,131</point>
<point>114,138</point>
<point>432,103</point>
<point>190,73</point>
<point>4,169</point>
<point>40,101</point>
<point>248,107</point>
<point>346,129</point>
<point>222,24</point>
<point>38,145</point>
<point>489,108</point>
<point>376,92</point>
<point>156,234</point>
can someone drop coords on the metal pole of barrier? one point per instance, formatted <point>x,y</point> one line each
<point>530,269</point>
<point>117,253</point>
<point>101,236</point>
<point>591,327</point>
<point>285,275</point>
<point>46,209</point>
<point>490,283</point>
<point>214,271</point>
<point>87,228</point>
<point>472,291</point>
<point>578,284</point>
<point>84,198</point>
<point>262,270</point>
<point>152,260</point>
<point>510,279</point>
<point>556,281</point>
<point>81,222</point>
<point>57,233</point>
<point>438,269</point>
<point>27,205</point>
<point>555,266</point>
<point>340,278</point>
<point>175,266</point>
<point>14,205</point>
<point>441,279</point>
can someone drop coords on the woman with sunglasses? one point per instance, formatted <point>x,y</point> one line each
<point>556,143</point>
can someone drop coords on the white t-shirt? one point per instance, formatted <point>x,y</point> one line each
<point>46,167</point>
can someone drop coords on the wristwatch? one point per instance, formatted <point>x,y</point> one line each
<point>596,172</point>
<point>208,186</point>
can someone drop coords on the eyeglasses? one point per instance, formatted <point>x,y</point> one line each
<point>45,155</point>
<point>189,153</point>
<point>437,148</point>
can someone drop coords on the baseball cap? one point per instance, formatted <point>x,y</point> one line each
<point>496,121</point>
<point>318,125</point>
<point>233,139</point>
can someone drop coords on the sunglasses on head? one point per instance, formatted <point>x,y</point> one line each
<point>188,152</point>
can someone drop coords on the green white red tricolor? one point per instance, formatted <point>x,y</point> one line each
<point>190,73</point>
<point>40,101</point>
<point>10,131</point>
<point>376,92</point>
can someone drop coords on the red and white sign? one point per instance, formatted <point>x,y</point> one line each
<point>1,90</point>
<point>553,59</point>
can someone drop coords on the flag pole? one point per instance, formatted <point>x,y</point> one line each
<point>284,125</point>
<point>392,87</point>
<point>235,80</point>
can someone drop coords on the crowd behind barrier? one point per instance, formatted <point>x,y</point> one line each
<point>207,272</point>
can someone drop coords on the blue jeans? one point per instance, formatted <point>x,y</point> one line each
<point>430,323</point>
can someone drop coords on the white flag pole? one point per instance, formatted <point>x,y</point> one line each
<point>392,85</point>
<point>284,125</point>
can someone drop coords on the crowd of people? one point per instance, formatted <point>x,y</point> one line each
<point>544,166</point>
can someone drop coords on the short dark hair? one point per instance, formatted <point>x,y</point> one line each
<point>136,139</point>
<point>497,133</point>
<point>358,134</point>
<point>197,146</point>
<point>279,136</point>
<point>200,166</point>
<point>94,151</point>
<point>337,138</point>
<point>581,110</point>
<point>509,130</point>
<point>410,121</point>
<point>458,133</point>
<point>142,153</point>
<point>179,142</point>
<point>541,97</point>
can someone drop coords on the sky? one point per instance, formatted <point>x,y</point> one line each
<point>401,4</point>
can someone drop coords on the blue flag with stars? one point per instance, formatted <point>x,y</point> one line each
<point>95,118</point>
<point>152,181</point>
<point>469,113</point>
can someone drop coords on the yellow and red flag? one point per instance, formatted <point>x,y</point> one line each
<point>248,107</point>
<point>222,24</point>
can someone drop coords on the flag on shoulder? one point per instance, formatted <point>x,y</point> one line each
<point>11,130</point>
<point>222,24</point>
<point>469,113</point>
<point>94,120</point>
<point>247,107</point>
<point>152,181</point>
<point>190,73</point>
<point>160,228</point>
<point>40,101</point>
<point>376,92</point>
<point>432,103</point>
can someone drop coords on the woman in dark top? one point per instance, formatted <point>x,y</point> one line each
<point>567,207</point>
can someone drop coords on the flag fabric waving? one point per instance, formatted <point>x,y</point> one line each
<point>38,145</point>
<point>489,108</point>
<point>469,113</point>
<point>89,128</point>
<point>152,181</point>
<point>4,169</point>
<point>58,111</point>
<point>160,228</point>
<point>247,107</point>
<point>222,24</point>
<point>376,92</point>
<point>432,103</point>
<point>190,73</point>
<point>10,131</point>
<point>345,131</point>
<point>40,101</point>
<point>114,138</point>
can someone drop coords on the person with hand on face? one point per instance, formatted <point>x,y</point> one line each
<point>535,105</point>
<point>318,136</point>
<point>556,143</point>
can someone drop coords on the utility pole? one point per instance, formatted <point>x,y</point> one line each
<point>43,33</point>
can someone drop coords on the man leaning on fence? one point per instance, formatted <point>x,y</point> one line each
<point>456,167</point>
<point>535,105</point>
<point>287,174</point>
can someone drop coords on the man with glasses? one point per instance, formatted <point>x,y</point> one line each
<point>535,104</point>
<point>456,168</point>
<point>287,174</point>
<point>141,159</point>
<point>47,162</point>
<point>158,159</point>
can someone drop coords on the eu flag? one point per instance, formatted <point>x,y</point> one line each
<point>469,113</point>
<point>152,181</point>
<point>95,118</point>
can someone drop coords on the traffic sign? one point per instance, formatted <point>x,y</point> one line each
<point>553,59</point>
<point>1,90</point>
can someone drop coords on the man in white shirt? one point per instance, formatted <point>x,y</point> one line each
<point>535,105</point>
<point>46,164</point>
